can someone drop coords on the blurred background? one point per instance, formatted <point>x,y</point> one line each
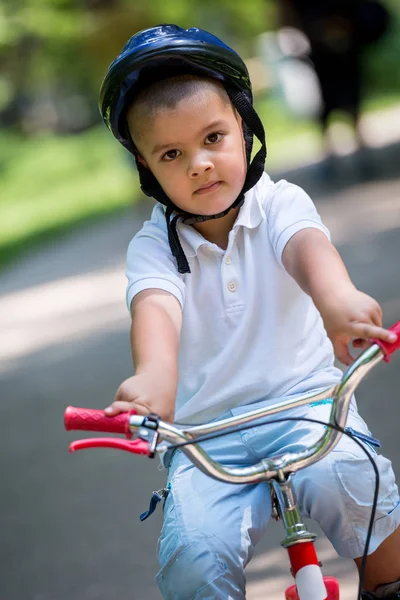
<point>59,166</point>
<point>327,86</point>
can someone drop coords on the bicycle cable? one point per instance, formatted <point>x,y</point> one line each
<point>335,426</point>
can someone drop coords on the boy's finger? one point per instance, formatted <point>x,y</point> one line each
<point>343,354</point>
<point>360,344</point>
<point>366,331</point>
<point>118,407</point>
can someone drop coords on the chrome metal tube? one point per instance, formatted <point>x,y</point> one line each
<point>295,529</point>
<point>200,458</point>
<point>339,412</point>
<point>250,417</point>
<point>284,463</point>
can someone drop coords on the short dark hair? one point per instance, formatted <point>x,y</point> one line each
<point>168,92</point>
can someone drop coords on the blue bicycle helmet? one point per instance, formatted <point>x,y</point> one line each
<point>164,51</point>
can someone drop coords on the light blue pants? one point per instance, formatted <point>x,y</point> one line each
<point>211,528</point>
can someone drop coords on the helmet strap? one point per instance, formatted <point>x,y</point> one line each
<point>175,242</point>
<point>189,219</point>
<point>254,124</point>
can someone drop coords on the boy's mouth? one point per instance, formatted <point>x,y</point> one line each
<point>208,187</point>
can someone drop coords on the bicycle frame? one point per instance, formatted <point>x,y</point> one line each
<point>305,567</point>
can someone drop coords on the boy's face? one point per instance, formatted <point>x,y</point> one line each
<point>196,151</point>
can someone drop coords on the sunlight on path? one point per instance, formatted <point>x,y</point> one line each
<point>74,307</point>
<point>361,210</point>
<point>65,309</point>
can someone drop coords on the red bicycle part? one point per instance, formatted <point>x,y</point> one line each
<point>87,419</point>
<point>301,555</point>
<point>389,347</point>
<point>136,446</point>
<point>332,588</point>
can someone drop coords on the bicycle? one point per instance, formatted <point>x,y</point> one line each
<point>155,436</point>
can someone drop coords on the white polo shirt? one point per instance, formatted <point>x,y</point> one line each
<point>249,332</point>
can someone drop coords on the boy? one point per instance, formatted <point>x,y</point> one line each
<point>235,282</point>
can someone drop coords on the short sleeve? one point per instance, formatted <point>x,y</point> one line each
<point>289,209</point>
<point>150,264</point>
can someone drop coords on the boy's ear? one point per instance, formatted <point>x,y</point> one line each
<point>142,161</point>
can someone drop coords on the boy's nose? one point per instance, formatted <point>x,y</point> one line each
<point>199,167</point>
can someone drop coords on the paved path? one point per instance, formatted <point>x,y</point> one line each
<point>70,526</point>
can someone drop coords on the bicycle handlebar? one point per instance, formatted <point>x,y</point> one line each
<point>88,419</point>
<point>96,420</point>
<point>389,347</point>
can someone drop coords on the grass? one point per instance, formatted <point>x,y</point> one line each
<point>50,183</point>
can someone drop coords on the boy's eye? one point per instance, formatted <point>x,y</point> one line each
<point>214,138</point>
<point>170,155</point>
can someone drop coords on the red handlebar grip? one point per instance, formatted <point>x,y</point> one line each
<point>389,347</point>
<point>87,419</point>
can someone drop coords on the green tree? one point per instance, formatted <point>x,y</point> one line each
<point>53,53</point>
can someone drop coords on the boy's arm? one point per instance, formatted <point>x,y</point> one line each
<point>348,314</point>
<point>155,332</point>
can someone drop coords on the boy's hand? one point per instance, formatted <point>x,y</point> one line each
<point>356,317</point>
<point>144,394</point>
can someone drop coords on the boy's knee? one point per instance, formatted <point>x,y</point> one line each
<point>338,493</point>
<point>204,569</point>
<point>346,480</point>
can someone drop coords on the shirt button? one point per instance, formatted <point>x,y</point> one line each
<point>228,260</point>
<point>232,286</point>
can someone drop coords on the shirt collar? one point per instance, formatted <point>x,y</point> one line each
<point>251,215</point>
